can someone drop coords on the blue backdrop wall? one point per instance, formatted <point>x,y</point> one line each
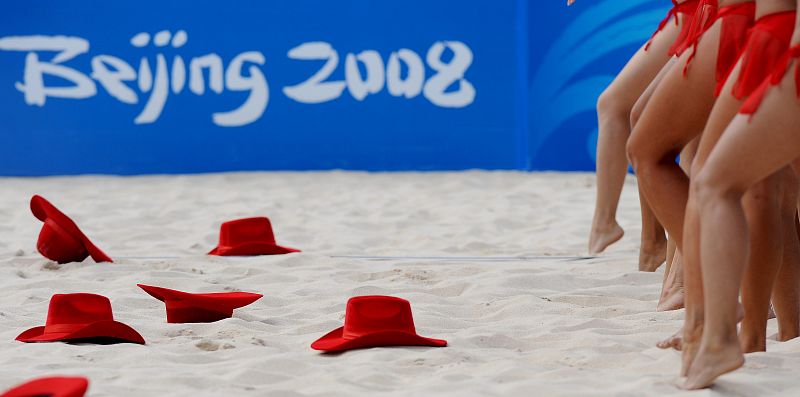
<point>204,86</point>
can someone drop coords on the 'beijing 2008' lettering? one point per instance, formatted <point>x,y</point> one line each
<point>118,77</point>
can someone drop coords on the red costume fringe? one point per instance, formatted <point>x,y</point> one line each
<point>737,20</point>
<point>754,102</point>
<point>769,40</point>
<point>704,16</point>
<point>688,9</point>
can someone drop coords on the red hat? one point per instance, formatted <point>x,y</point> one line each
<point>248,237</point>
<point>183,307</point>
<point>373,321</point>
<point>60,239</point>
<point>80,316</point>
<point>50,387</point>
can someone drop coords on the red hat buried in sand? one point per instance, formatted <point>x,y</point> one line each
<point>81,318</point>
<point>248,237</point>
<point>375,321</point>
<point>60,239</point>
<point>50,387</point>
<point>184,307</point>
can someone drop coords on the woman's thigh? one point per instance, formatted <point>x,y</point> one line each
<point>678,110</point>
<point>753,148</point>
<point>643,67</point>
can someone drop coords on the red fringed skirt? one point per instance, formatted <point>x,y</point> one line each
<point>737,20</point>
<point>687,9</point>
<point>703,17</point>
<point>766,58</point>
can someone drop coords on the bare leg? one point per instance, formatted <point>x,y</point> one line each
<point>786,292</point>
<point>669,286</point>
<point>725,109</point>
<point>614,113</point>
<point>762,207</point>
<point>747,153</point>
<point>686,165</point>
<point>672,250</point>
<point>672,294</point>
<point>672,256</point>
<point>653,248</point>
<point>661,134</point>
<point>654,245</point>
<point>672,291</point>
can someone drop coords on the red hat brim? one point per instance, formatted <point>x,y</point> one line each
<point>50,386</point>
<point>252,249</point>
<point>43,210</point>
<point>101,329</point>
<point>334,341</point>
<point>227,300</point>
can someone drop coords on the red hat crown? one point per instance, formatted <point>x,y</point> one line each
<point>369,314</point>
<point>68,312</point>
<point>58,245</point>
<point>183,312</point>
<point>185,307</point>
<point>50,387</point>
<point>243,231</point>
<point>60,239</point>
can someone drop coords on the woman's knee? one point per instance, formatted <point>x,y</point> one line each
<point>612,104</point>
<point>708,187</point>
<point>643,154</point>
<point>635,151</point>
<point>636,112</point>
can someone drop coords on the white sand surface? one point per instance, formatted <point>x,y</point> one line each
<point>542,327</point>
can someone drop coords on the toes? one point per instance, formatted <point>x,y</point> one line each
<point>673,342</point>
<point>699,381</point>
<point>692,384</point>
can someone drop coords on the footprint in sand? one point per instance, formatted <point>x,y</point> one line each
<point>211,346</point>
<point>208,346</point>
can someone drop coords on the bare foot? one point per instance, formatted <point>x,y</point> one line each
<point>672,300</point>
<point>711,363</point>
<point>672,292</point>
<point>689,347</point>
<point>673,342</point>
<point>602,237</point>
<point>652,255</point>
<point>690,344</point>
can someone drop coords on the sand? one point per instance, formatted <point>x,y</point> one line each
<point>544,326</point>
